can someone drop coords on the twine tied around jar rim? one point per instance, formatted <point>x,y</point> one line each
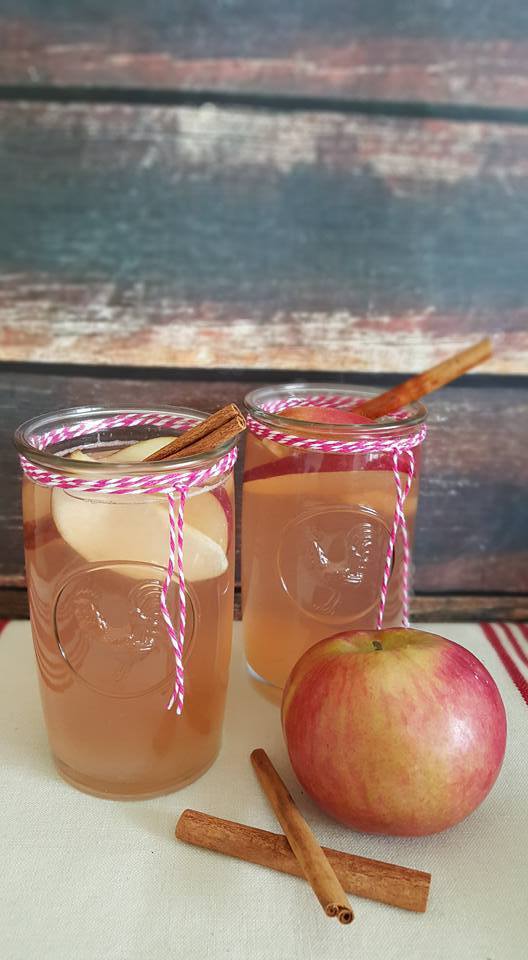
<point>397,448</point>
<point>177,482</point>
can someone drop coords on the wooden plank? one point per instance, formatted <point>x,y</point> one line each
<point>207,237</point>
<point>13,603</point>
<point>392,50</point>
<point>440,609</point>
<point>472,527</point>
<point>425,609</point>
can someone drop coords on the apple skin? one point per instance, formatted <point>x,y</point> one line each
<point>221,494</point>
<point>302,462</point>
<point>299,463</point>
<point>406,740</point>
<point>330,415</point>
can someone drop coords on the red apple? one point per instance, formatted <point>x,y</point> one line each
<point>303,462</point>
<point>328,415</point>
<point>321,463</point>
<point>395,731</point>
<point>224,500</point>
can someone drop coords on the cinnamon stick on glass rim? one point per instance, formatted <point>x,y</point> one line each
<point>372,879</point>
<point>206,435</point>
<point>312,860</point>
<point>426,382</point>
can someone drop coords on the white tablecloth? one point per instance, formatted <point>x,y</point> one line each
<point>89,879</point>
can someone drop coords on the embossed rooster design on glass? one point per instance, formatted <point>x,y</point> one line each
<point>325,539</point>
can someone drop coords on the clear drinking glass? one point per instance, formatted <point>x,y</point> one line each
<point>316,529</point>
<point>95,564</point>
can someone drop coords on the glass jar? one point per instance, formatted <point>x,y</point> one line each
<point>95,565</point>
<point>317,525</point>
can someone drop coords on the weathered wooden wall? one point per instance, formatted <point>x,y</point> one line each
<point>238,192</point>
<point>466,52</point>
<point>281,239</point>
<point>473,516</point>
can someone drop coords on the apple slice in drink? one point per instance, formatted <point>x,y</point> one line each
<point>36,506</point>
<point>308,464</point>
<point>35,501</point>
<point>100,529</point>
<point>326,415</point>
<point>208,512</point>
<point>303,462</point>
<point>343,489</point>
<point>137,532</point>
<point>80,455</point>
<point>139,451</point>
<point>36,510</point>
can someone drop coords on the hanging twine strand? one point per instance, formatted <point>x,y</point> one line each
<point>400,448</point>
<point>172,483</point>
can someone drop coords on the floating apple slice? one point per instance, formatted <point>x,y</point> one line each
<point>203,511</point>
<point>203,558</point>
<point>333,486</point>
<point>36,502</point>
<point>36,510</point>
<point>80,455</point>
<point>137,532</point>
<point>297,464</point>
<point>308,462</point>
<point>328,415</point>
<point>139,451</point>
<point>209,513</point>
<point>375,491</point>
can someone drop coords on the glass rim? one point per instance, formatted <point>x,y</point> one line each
<point>97,468</point>
<point>387,425</point>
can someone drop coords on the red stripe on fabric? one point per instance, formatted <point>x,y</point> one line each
<point>515,643</point>
<point>523,627</point>
<point>3,623</point>
<point>513,670</point>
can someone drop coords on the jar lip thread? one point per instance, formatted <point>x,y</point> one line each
<point>28,431</point>
<point>255,400</point>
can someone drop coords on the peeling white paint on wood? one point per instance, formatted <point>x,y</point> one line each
<point>181,139</point>
<point>84,324</point>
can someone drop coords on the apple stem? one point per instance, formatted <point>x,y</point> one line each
<point>377,645</point>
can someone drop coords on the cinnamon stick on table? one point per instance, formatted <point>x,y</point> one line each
<point>206,435</point>
<point>372,879</point>
<point>312,860</point>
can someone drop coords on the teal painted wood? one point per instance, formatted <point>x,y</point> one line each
<point>397,50</point>
<point>197,237</point>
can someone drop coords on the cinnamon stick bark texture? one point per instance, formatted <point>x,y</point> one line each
<point>312,860</point>
<point>432,379</point>
<point>371,879</point>
<point>206,435</point>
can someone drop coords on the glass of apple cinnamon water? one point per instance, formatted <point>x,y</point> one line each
<point>95,564</point>
<point>316,524</point>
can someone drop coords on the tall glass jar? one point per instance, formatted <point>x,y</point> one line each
<point>316,525</point>
<point>95,565</point>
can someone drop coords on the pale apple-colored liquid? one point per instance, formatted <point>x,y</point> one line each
<point>314,546</point>
<point>106,666</point>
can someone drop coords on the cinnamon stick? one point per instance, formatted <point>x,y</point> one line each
<point>312,860</point>
<point>372,879</point>
<point>206,435</point>
<point>424,383</point>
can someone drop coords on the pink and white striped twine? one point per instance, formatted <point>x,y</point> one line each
<point>170,483</point>
<point>397,447</point>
